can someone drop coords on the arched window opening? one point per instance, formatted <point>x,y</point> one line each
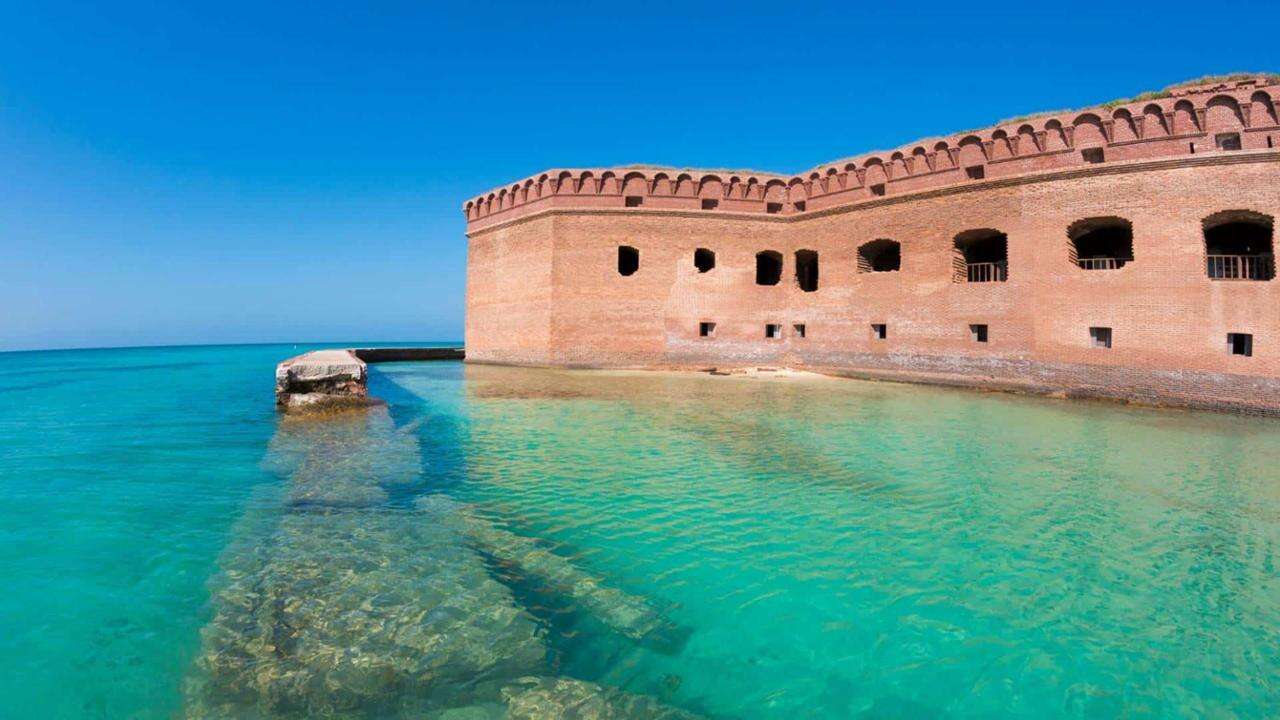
<point>1103,243</point>
<point>981,256</point>
<point>768,267</point>
<point>880,256</point>
<point>807,270</point>
<point>704,259</point>
<point>628,260</point>
<point>1238,246</point>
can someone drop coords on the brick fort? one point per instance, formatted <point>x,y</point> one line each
<point>1124,251</point>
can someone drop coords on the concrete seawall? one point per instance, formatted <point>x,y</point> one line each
<point>378,355</point>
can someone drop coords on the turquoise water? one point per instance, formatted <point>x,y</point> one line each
<point>735,548</point>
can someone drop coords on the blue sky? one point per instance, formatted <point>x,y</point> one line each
<point>264,172</point>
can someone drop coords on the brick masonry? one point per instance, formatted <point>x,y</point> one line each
<point>544,288</point>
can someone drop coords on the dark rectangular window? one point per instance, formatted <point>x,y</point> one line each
<point>772,331</point>
<point>977,172</point>
<point>978,333</point>
<point>628,260</point>
<point>1100,337</point>
<point>807,270</point>
<point>706,329</point>
<point>1227,141</point>
<point>799,329</point>
<point>879,331</point>
<point>634,201</point>
<point>877,189</point>
<point>710,204</point>
<point>1093,155</point>
<point>799,206</point>
<point>768,267</point>
<point>773,208</point>
<point>1240,344</point>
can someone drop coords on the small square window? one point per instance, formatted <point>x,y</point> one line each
<point>710,204</point>
<point>799,205</point>
<point>634,201</point>
<point>978,333</point>
<point>977,172</point>
<point>773,208</point>
<point>706,329</point>
<point>773,331</point>
<point>879,331</point>
<point>1227,141</point>
<point>799,329</point>
<point>877,189</point>
<point>1093,155</point>
<point>1240,344</point>
<point>1100,337</point>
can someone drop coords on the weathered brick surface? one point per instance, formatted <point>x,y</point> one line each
<point>509,294</point>
<point>543,286</point>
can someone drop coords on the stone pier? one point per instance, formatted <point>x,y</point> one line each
<point>323,379</point>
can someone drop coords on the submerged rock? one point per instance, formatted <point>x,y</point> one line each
<point>566,699</point>
<point>352,610</point>
<point>631,615</point>
<point>333,603</point>
<point>552,698</point>
<point>346,460</point>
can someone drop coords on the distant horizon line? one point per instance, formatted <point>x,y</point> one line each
<point>162,346</point>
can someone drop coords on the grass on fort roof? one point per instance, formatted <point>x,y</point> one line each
<point>704,171</point>
<point>1263,78</point>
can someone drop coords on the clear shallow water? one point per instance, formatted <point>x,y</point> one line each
<point>811,549</point>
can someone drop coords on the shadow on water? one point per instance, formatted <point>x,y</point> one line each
<point>438,436</point>
<point>353,595</point>
<point>36,385</point>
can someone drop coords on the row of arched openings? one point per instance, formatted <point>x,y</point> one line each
<point>1238,245</point>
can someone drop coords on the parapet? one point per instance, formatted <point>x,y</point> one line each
<point>1219,115</point>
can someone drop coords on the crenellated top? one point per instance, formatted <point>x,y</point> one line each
<point>1237,113</point>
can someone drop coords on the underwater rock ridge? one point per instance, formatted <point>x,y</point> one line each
<point>332,602</point>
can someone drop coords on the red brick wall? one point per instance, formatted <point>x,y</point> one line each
<point>509,294</point>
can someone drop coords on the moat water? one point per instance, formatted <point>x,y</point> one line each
<point>727,547</point>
